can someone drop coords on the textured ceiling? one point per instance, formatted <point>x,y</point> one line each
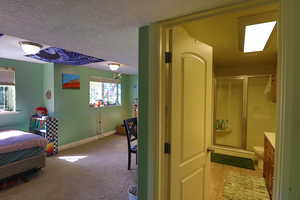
<point>106,29</point>
<point>10,49</point>
<point>223,33</point>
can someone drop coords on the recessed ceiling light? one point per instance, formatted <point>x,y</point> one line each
<point>113,66</point>
<point>30,47</point>
<point>257,36</point>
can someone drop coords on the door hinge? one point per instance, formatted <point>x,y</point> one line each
<point>167,148</point>
<point>168,57</point>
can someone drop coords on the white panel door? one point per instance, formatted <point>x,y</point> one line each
<point>191,116</point>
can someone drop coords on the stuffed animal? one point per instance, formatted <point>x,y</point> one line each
<point>41,111</point>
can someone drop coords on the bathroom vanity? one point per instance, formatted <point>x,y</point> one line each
<point>269,157</point>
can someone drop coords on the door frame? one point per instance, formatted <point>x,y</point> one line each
<point>156,175</point>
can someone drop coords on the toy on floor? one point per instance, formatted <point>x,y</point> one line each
<point>50,149</point>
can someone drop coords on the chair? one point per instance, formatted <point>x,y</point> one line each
<point>131,133</point>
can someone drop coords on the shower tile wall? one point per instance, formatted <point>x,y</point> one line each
<point>261,112</point>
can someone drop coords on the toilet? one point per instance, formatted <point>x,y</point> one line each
<point>259,154</point>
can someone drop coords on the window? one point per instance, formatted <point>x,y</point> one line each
<point>256,31</point>
<point>105,93</point>
<point>7,90</point>
<point>257,36</point>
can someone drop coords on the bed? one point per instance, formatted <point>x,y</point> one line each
<point>20,151</point>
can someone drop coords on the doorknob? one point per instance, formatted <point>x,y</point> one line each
<point>210,149</point>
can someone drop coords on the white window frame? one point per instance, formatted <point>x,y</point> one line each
<point>103,81</point>
<point>9,81</point>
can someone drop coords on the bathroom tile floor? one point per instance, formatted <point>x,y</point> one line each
<point>218,174</point>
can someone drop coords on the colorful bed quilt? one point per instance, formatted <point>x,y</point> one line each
<point>15,140</point>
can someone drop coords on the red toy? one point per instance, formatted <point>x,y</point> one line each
<point>41,111</point>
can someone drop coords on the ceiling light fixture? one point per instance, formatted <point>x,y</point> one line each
<point>114,66</point>
<point>257,36</point>
<point>30,48</point>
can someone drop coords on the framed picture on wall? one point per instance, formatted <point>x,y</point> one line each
<point>70,81</point>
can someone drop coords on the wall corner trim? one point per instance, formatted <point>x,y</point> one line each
<point>85,141</point>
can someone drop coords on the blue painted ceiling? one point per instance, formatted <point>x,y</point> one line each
<point>62,56</point>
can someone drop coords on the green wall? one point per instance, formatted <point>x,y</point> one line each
<point>143,148</point>
<point>48,85</point>
<point>149,52</point>
<point>29,93</point>
<point>76,119</point>
<point>133,90</point>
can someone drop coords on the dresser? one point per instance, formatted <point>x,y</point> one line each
<point>269,158</point>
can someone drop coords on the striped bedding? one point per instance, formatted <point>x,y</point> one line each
<point>15,140</point>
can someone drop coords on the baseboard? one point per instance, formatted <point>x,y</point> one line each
<point>107,134</point>
<point>85,141</point>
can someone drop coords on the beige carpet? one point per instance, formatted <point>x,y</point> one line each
<point>102,175</point>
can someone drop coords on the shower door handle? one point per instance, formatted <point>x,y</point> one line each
<point>210,149</point>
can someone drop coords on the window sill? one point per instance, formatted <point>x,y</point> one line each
<point>8,112</point>
<point>111,106</point>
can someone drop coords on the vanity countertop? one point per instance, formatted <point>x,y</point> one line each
<point>271,137</point>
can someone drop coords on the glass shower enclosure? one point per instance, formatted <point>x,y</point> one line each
<point>243,111</point>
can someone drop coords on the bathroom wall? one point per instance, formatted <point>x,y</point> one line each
<point>261,112</point>
<point>245,70</point>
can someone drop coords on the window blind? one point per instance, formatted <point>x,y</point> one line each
<point>7,76</point>
<point>104,80</point>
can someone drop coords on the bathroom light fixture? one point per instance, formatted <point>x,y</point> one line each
<point>257,36</point>
<point>30,48</point>
<point>113,66</point>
